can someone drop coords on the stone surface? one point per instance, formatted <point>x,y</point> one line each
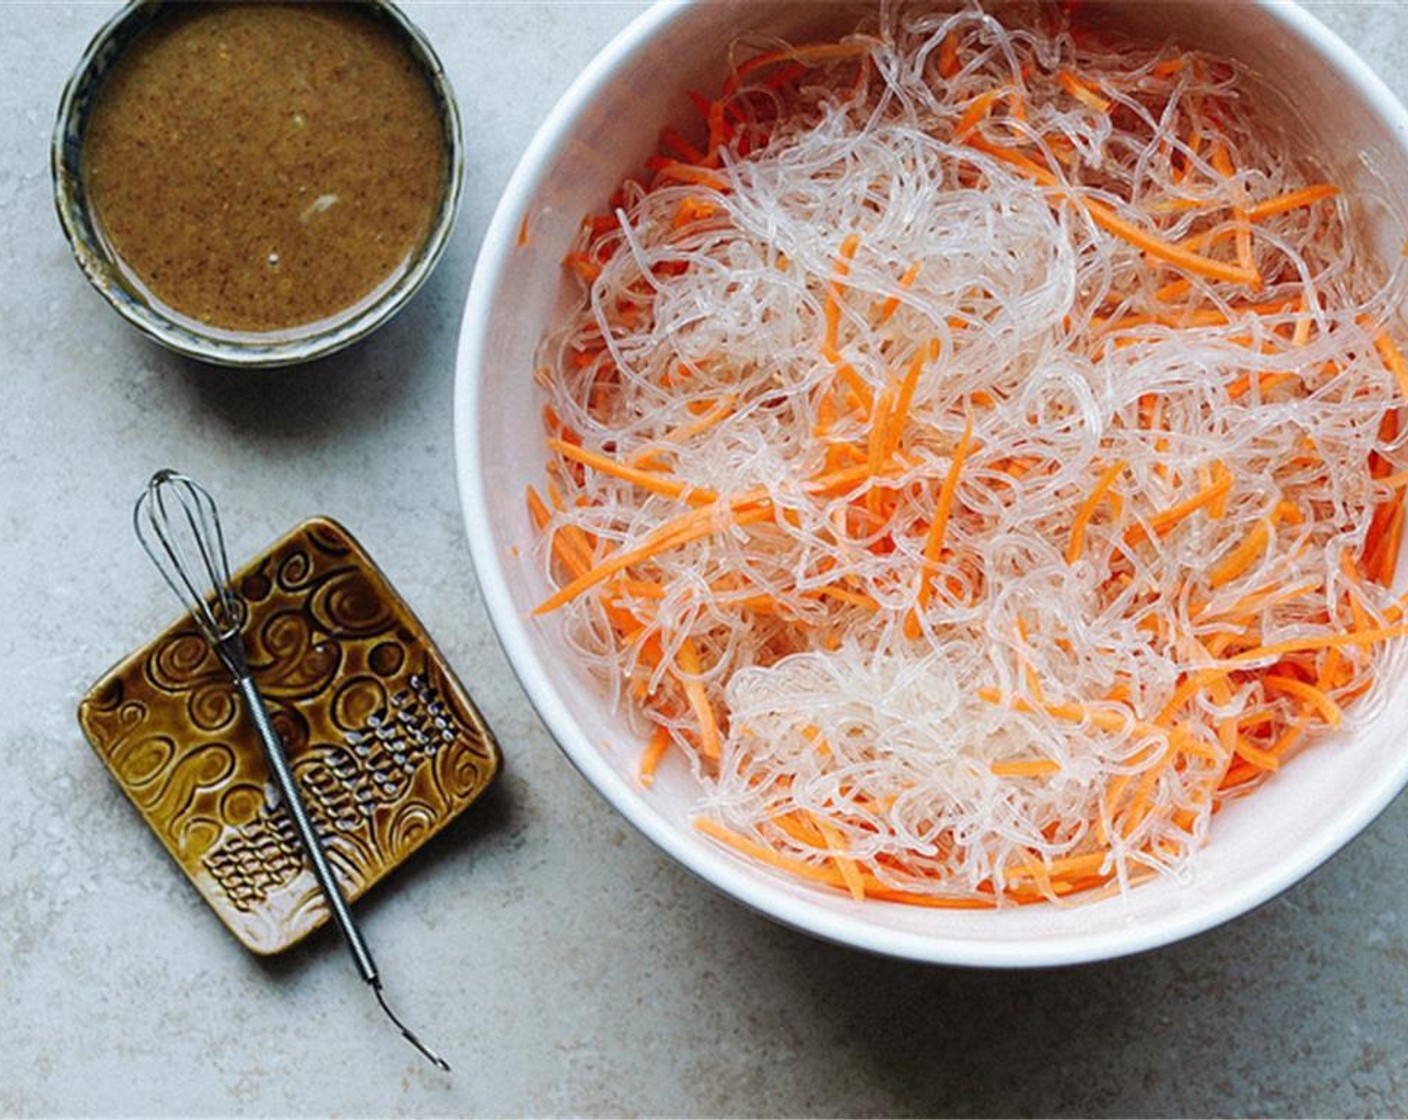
<point>557,958</point>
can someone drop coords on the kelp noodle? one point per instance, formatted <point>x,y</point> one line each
<point>976,452</point>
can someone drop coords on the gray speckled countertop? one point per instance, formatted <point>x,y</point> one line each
<point>564,964</point>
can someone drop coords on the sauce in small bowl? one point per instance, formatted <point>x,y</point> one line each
<point>257,184</point>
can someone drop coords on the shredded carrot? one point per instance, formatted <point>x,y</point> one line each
<point>1328,709</point>
<point>675,436</point>
<point>671,535</point>
<point>689,173</point>
<point>934,540</point>
<point>1291,200</point>
<point>903,401</point>
<point>974,114</point>
<point>1025,768</point>
<point>654,752</point>
<point>1243,556</point>
<point>850,874</point>
<point>1393,359</point>
<point>832,309</point>
<point>1166,519</point>
<point>948,56</point>
<point>690,672</point>
<point>1083,92</point>
<point>1088,507</point>
<point>1164,250</point>
<point>1321,641</point>
<point>1111,222</point>
<point>892,303</point>
<point>644,479</point>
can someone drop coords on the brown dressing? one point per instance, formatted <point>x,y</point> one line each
<point>262,167</point>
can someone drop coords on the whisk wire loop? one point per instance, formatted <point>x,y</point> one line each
<point>178,525</point>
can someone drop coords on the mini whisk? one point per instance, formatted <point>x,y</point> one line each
<point>179,527</point>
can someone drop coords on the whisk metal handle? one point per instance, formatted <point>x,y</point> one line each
<point>307,832</point>
<point>317,856</point>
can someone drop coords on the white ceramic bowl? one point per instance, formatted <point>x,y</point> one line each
<point>604,126</point>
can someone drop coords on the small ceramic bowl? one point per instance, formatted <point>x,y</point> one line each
<point>179,333</point>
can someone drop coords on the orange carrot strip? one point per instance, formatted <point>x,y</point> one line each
<point>1347,565</point>
<point>1164,250</point>
<point>581,543</point>
<point>855,384</point>
<point>745,508</point>
<point>1025,768</point>
<point>831,307</point>
<point>934,541</point>
<point>1108,220</point>
<point>1393,539</point>
<point>689,173</point>
<point>1292,200</point>
<point>1218,508</point>
<point>1082,92</point>
<point>1103,719</point>
<point>800,828</point>
<point>1063,868</point>
<point>1088,507</point>
<point>583,266</point>
<point>1174,289</point>
<point>1261,759</point>
<point>892,303</point>
<point>1222,163</point>
<point>1264,381</point>
<point>1393,359</point>
<point>1329,711</point>
<point>836,846</point>
<point>948,56</point>
<point>690,210</point>
<point>875,449</point>
<point>764,854</point>
<point>938,901</point>
<point>1203,317</point>
<point>1033,681</point>
<point>720,411</point>
<point>681,491</point>
<point>716,518</point>
<point>538,509</point>
<point>1256,600</point>
<point>1243,556</point>
<point>688,675</point>
<point>563,545</point>
<point>904,401</point>
<point>1166,519</point>
<point>853,598</point>
<point>973,115</point>
<point>654,752</point>
<point>1322,641</point>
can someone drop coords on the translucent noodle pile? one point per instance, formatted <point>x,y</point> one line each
<point>976,453</point>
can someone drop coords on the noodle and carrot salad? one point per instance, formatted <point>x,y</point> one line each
<point>976,452</point>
